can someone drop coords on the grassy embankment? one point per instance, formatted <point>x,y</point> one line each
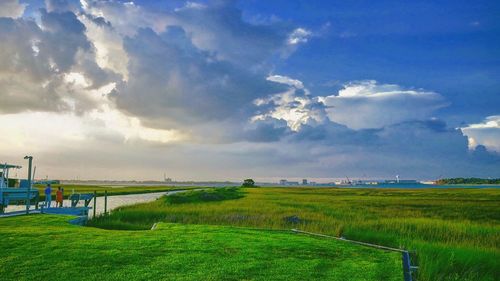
<point>112,190</point>
<point>455,232</point>
<point>44,247</point>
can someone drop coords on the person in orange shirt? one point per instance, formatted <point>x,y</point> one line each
<point>59,197</point>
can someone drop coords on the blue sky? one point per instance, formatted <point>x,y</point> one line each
<point>450,47</point>
<point>264,89</point>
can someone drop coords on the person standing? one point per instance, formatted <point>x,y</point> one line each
<point>48,196</point>
<point>59,197</point>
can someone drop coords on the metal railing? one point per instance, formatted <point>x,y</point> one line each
<point>405,255</point>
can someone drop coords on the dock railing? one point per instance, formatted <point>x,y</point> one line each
<point>405,254</point>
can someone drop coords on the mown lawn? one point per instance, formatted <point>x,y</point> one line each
<point>454,232</point>
<point>45,247</point>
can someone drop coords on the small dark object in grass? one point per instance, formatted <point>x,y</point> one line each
<point>293,219</point>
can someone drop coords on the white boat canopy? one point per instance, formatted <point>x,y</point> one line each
<point>5,173</point>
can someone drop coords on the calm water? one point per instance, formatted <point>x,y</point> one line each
<point>113,201</point>
<point>420,185</point>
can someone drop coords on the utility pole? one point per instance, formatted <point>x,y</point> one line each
<point>28,192</point>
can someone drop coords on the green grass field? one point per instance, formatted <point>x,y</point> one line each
<point>45,247</point>
<point>455,232</point>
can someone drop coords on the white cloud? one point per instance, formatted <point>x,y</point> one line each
<point>40,65</point>
<point>217,28</point>
<point>367,104</point>
<point>486,133</point>
<point>109,46</point>
<point>40,131</point>
<point>11,8</point>
<point>295,106</point>
<point>191,5</point>
<point>299,35</point>
<point>286,80</point>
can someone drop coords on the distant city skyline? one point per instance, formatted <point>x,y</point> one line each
<point>228,90</point>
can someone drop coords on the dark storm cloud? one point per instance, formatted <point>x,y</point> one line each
<point>35,59</point>
<point>219,27</point>
<point>268,130</point>
<point>172,83</point>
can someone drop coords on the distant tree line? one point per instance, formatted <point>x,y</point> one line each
<point>468,181</point>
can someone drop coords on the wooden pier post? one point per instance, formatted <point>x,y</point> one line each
<point>105,202</point>
<point>95,204</point>
<point>28,190</point>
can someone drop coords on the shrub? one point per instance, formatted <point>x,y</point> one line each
<point>248,183</point>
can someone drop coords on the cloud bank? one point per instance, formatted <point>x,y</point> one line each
<point>194,88</point>
<point>367,104</point>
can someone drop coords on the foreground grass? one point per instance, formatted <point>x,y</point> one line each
<point>44,247</point>
<point>455,232</point>
<point>112,190</point>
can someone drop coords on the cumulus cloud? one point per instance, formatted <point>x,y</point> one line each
<point>295,106</point>
<point>217,28</point>
<point>414,149</point>
<point>188,67</point>
<point>368,104</point>
<point>109,51</point>
<point>486,133</point>
<point>410,144</point>
<point>11,9</point>
<point>190,88</point>
<point>172,83</point>
<point>36,60</point>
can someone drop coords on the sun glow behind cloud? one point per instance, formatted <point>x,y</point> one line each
<point>34,131</point>
<point>26,130</point>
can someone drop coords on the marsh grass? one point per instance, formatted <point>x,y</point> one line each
<point>454,232</point>
<point>201,196</point>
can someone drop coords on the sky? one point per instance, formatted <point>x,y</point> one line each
<point>227,90</point>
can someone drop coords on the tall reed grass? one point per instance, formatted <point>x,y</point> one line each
<point>454,232</point>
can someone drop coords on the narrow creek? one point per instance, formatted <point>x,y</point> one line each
<point>113,201</point>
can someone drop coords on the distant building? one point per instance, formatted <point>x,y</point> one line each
<point>398,181</point>
<point>165,179</point>
<point>304,182</point>
<point>286,182</point>
<point>46,181</point>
